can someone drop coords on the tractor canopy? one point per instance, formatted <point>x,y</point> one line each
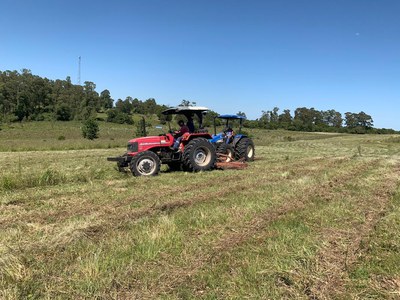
<point>228,122</point>
<point>231,117</point>
<point>185,110</point>
<point>188,112</point>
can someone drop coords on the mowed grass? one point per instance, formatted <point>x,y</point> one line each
<point>315,216</point>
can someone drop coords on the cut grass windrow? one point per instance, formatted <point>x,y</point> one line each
<point>256,224</point>
<point>97,230</point>
<point>112,216</point>
<point>343,246</point>
<point>257,227</point>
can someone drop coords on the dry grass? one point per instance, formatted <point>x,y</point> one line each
<point>307,219</point>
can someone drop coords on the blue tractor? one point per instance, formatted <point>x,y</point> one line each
<point>231,145</point>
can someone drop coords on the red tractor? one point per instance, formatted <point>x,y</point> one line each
<point>193,151</point>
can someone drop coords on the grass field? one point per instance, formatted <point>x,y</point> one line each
<point>315,216</point>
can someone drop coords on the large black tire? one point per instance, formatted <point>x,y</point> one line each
<point>245,149</point>
<point>145,163</point>
<point>199,155</point>
<point>225,152</point>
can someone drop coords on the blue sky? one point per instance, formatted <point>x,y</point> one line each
<point>230,56</point>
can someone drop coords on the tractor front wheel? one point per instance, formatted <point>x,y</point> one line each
<point>245,149</point>
<point>145,163</point>
<point>199,155</point>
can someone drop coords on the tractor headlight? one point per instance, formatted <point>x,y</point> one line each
<point>133,147</point>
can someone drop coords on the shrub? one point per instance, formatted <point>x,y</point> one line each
<point>90,129</point>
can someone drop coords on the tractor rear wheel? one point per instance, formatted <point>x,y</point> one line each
<point>245,149</point>
<point>199,155</point>
<point>145,163</point>
<point>225,152</point>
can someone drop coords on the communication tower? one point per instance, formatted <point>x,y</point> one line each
<point>79,71</point>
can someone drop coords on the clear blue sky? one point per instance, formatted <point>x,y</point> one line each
<point>230,56</point>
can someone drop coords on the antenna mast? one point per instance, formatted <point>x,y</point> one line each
<point>79,71</point>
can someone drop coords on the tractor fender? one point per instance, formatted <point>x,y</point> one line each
<point>236,139</point>
<point>187,137</point>
<point>216,138</point>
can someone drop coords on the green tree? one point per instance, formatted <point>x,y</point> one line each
<point>117,116</point>
<point>124,106</point>
<point>351,120</point>
<point>150,106</point>
<point>63,112</point>
<point>187,103</point>
<point>91,103</point>
<point>136,105</point>
<point>285,119</point>
<point>307,119</point>
<point>358,123</point>
<point>274,117</point>
<point>163,118</point>
<point>208,119</point>
<point>141,128</point>
<point>265,119</point>
<point>106,101</point>
<point>332,118</point>
<point>365,120</point>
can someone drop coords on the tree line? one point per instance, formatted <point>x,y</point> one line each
<point>24,96</point>
<point>310,119</point>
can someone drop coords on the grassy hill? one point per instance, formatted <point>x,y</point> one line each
<point>314,216</point>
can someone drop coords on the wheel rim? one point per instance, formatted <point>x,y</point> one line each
<point>146,166</point>
<point>202,157</point>
<point>250,151</point>
<point>229,155</point>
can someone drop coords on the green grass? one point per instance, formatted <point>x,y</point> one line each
<point>376,274</point>
<point>50,136</point>
<point>315,216</point>
<point>39,136</point>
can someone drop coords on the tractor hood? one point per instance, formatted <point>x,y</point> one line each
<point>148,142</point>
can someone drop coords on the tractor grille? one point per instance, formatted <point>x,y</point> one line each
<point>133,147</point>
